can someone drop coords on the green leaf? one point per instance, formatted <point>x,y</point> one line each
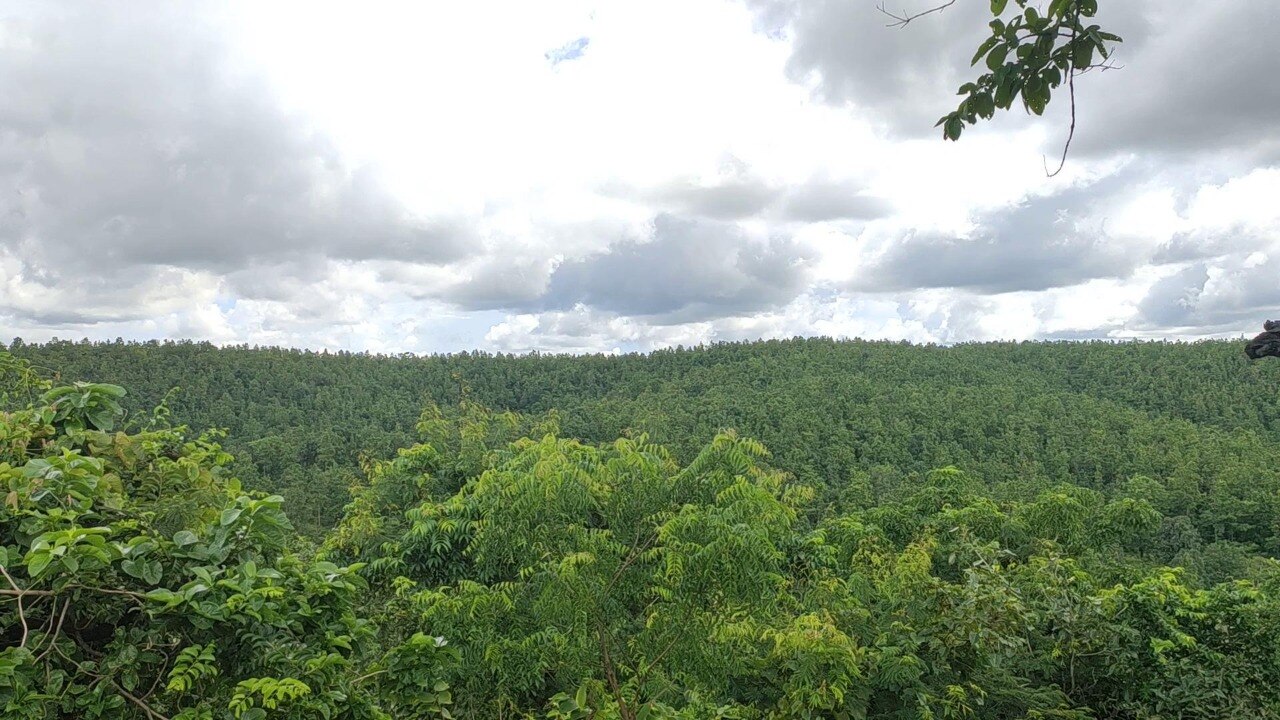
<point>998,6</point>
<point>1004,92</point>
<point>164,595</point>
<point>37,563</point>
<point>151,570</point>
<point>982,50</point>
<point>1082,54</point>
<point>984,105</point>
<point>996,58</point>
<point>230,515</point>
<point>953,128</point>
<point>102,419</point>
<point>1097,42</point>
<point>183,538</point>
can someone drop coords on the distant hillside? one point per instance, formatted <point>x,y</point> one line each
<point>1022,416</point>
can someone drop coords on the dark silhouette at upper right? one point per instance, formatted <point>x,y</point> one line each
<point>1267,343</point>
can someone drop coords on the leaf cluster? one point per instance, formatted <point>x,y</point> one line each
<point>1029,54</point>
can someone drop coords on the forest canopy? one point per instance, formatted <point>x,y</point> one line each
<point>787,529</point>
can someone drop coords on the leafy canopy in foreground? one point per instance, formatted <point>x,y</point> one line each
<point>613,582</point>
<point>137,580</point>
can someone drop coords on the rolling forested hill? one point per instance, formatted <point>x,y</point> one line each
<point>1020,416</point>
<point>764,531</point>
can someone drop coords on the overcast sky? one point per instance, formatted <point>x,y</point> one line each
<point>605,176</point>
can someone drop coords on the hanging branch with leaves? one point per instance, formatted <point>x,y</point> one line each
<point>1027,56</point>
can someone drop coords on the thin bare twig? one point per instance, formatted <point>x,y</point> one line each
<point>904,18</point>
<point>1105,65</point>
<point>136,597</point>
<point>159,675</point>
<point>1071,91</point>
<point>56,630</point>
<point>128,696</point>
<point>1071,132</point>
<point>18,593</point>
<point>368,675</point>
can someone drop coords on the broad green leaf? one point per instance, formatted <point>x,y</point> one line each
<point>996,57</point>
<point>1082,54</point>
<point>151,571</point>
<point>982,50</point>
<point>230,515</point>
<point>953,128</point>
<point>37,563</point>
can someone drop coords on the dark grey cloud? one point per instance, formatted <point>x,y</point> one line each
<point>1043,242</point>
<point>1198,79</point>
<point>821,201</point>
<point>1172,301</point>
<point>690,270</point>
<point>734,199</point>
<point>1202,244</point>
<point>744,194</point>
<point>1102,332</point>
<point>279,281</point>
<point>128,141</point>
<point>904,77</point>
<point>497,281</point>
<point>1227,295</point>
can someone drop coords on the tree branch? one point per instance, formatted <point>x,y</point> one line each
<point>366,676</point>
<point>631,557</point>
<point>21,615</point>
<point>19,592</point>
<point>905,18</point>
<point>610,676</point>
<point>1071,91</point>
<point>57,629</point>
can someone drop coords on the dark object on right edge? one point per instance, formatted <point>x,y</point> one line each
<point>1266,344</point>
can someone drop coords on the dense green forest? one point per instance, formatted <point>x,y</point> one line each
<point>1021,416</point>
<point>784,529</point>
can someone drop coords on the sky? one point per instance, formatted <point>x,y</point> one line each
<point>580,177</point>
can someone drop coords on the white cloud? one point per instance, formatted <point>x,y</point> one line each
<point>421,177</point>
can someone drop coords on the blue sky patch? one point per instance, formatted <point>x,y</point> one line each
<point>569,51</point>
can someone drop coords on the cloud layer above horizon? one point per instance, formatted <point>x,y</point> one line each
<point>604,177</point>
